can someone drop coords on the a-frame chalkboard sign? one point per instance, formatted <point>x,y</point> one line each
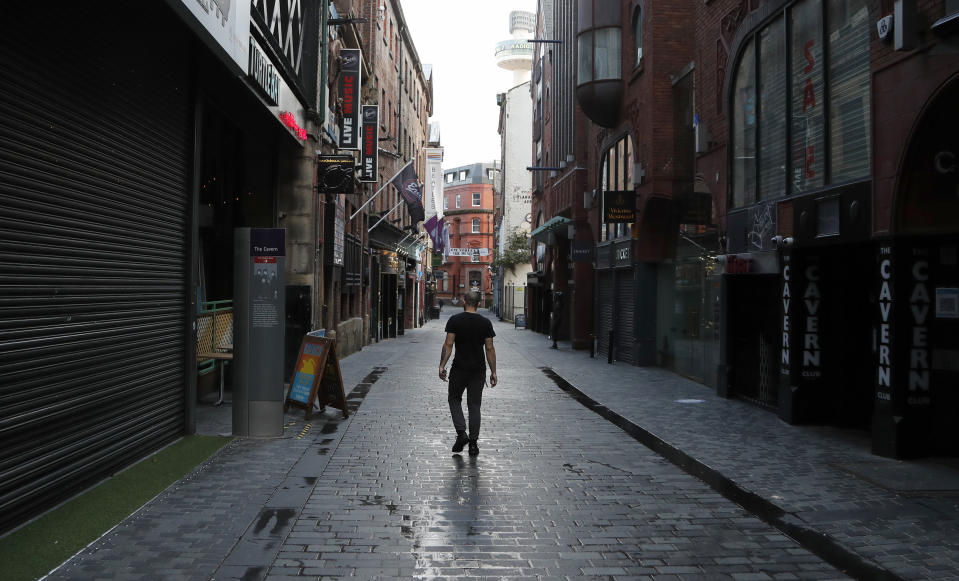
<point>316,377</point>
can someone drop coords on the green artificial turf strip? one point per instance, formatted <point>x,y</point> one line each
<point>34,550</point>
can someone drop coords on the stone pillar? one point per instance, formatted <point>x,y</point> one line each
<point>902,415</point>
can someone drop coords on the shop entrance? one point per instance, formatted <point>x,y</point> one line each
<point>752,331</point>
<point>236,176</point>
<point>926,342</point>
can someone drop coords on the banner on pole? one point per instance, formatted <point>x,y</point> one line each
<point>348,90</point>
<point>371,139</point>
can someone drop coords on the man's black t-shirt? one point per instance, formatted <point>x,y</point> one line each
<point>471,331</point>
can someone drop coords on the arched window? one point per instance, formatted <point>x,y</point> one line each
<point>638,33</point>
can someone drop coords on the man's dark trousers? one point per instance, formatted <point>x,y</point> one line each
<point>472,382</point>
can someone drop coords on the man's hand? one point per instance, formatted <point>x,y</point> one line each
<point>443,373</point>
<point>492,379</point>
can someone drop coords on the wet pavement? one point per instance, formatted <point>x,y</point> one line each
<point>586,470</point>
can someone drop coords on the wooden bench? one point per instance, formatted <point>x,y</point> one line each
<point>214,339</point>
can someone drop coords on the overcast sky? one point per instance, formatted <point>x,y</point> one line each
<point>458,38</point>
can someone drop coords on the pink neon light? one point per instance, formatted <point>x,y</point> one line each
<point>290,121</point>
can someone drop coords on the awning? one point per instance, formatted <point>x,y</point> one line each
<point>555,223</point>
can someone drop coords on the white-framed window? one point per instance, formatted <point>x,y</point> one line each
<point>449,178</point>
<point>463,174</point>
<point>476,225</point>
<point>476,199</point>
<point>446,203</point>
<point>458,200</point>
<point>491,173</point>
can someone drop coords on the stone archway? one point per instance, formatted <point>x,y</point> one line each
<point>927,198</point>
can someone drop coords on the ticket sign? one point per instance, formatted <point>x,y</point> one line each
<point>619,207</point>
<point>317,378</point>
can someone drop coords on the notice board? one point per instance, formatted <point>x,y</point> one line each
<point>317,378</point>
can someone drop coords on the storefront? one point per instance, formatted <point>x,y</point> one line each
<point>130,152</point>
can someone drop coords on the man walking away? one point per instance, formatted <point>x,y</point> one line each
<point>472,334</point>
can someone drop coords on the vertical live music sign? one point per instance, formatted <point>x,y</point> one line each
<point>371,143</point>
<point>349,94</point>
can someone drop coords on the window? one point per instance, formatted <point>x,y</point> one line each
<point>772,105</point>
<point>849,86</point>
<point>491,174</point>
<point>476,199</point>
<point>617,175</point>
<point>638,34</point>
<point>446,203</point>
<point>744,130</point>
<point>476,225</point>
<point>463,174</point>
<point>784,140</point>
<point>449,178</point>
<point>599,55</point>
<point>807,96</point>
<point>457,200</point>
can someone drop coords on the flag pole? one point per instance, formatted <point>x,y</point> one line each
<point>380,190</point>
<point>385,215</point>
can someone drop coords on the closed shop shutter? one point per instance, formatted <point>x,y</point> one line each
<point>605,287</point>
<point>625,341</point>
<point>95,150</point>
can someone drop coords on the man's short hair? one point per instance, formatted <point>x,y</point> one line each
<point>472,298</point>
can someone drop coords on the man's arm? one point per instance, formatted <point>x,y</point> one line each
<point>491,360</point>
<point>445,353</point>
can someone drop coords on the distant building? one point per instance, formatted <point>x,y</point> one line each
<point>468,211</point>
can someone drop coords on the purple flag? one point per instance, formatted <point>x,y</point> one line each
<point>409,188</point>
<point>434,229</point>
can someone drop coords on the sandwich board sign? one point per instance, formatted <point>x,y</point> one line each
<point>317,378</point>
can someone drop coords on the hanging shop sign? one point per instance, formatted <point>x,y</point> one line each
<point>371,139</point>
<point>619,207</point>
<point>348,92</point>
<point>334,174</point>
<point>317,378</point>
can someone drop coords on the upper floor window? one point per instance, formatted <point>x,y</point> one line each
<point>463,174</point>
<point>811,129</point>
<point>617,175</point>
<point>476,225</point>
<point>476,199</point>
<point>446,203</point>
<point>457,200</point>
<point>638,34</point>
<point>449,178</point>
<point>491,173</point>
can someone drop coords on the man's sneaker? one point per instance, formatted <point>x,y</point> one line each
<point>461,440</point>
<point>474,449</point>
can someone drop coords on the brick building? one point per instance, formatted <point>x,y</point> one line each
<point>468,212</point>
<point>794,180</point>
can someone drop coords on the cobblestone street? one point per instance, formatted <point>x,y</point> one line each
<point>556,492</point>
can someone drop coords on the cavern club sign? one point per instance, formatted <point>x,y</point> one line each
<point>348,91</point>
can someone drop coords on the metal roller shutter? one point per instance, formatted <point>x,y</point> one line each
<point>95,150</point>
<point>625,347</point>
<point>605,286</point>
